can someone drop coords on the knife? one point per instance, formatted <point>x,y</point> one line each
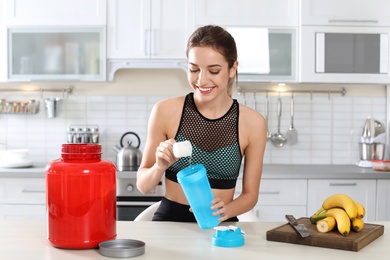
<point>300,228</point>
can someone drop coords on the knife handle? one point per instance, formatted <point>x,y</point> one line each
<point>292,220</point>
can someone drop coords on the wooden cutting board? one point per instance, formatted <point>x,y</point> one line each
<point>353,242</point>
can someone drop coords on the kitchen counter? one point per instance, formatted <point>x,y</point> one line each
<point>167,240</point>
<point>279,171</point>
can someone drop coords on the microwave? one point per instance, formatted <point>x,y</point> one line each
<point>344,55</point>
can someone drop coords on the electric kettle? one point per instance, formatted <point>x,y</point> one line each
<point>372,128</point>
<point>128,157</point>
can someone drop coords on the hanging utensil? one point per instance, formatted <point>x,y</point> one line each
<point>292,133</point>
<point>278,138</point>
<point>269,134</point>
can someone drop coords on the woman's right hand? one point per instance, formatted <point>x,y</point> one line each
<point>164,154</point>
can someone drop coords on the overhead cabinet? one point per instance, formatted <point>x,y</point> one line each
<point>140,31</point>
<point>55,12</point>
<point>247,12</point>
<point>346,12</point>
<point>56,54</point>
<point>55,40</point>
<point>265,33</point>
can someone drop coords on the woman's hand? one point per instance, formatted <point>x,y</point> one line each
<point>164,154</point>
<point>219,204</point>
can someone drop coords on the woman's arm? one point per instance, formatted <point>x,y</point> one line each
<point>158,152</point>
<point>252,127</point>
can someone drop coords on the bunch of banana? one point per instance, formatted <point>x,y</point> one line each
<point>340,210</point>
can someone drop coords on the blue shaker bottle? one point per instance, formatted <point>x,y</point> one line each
<point>196,187</point>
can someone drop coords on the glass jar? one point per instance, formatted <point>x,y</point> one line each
<point>80,198</point>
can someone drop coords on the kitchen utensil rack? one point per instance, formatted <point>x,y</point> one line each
<point>341,92</point>
<point>30,106</point>
<point>65,91</point>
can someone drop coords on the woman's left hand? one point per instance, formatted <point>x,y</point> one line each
<point>219,204</point>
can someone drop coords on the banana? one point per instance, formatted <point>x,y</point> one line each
<point>361,210</point>
<point>341,201</point>
<point>342,219</point>
<point>325,225</point>
<point>357,224</point>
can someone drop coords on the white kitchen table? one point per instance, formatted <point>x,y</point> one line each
<point>167,240</point>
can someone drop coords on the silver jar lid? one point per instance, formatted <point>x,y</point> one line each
<point>122,248</point>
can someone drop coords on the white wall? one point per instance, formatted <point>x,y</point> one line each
<point>329,128</point>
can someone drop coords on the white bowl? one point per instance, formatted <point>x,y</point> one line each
<point>14,154</point>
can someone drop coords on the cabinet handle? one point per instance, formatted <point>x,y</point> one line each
<point>153,43</point>
<point>32,191</point>
<point>147,42</point>
<point>270,192</point>
<point>351,21</point>
<point>343,184</point>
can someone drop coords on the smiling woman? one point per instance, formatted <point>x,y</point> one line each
<point>221,131</point>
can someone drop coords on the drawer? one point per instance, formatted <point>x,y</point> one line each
<point>278,213</point>
<point>23,212</point>
<point>278,192</point>
<point>23,191</point>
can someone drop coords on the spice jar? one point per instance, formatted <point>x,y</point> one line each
<point>80,198</point>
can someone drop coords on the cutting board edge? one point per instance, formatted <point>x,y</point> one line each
<point>274,236</point>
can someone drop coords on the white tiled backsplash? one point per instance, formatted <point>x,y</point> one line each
<point>329,129</point>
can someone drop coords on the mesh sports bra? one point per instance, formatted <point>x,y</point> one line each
<point>215,144</point>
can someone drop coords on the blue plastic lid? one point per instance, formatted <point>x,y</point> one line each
<point>230,236</point>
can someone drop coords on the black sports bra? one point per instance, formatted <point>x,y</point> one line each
<point>215,144</point>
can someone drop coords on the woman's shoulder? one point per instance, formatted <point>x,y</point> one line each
<point>250,116</point>
<point>169,102</point>
<point>169,105</point>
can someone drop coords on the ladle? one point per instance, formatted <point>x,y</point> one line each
<point>278,138</point>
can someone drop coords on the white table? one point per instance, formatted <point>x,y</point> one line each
<point>168,240</point>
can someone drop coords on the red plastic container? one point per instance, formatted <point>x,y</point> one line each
<point>80,198</point>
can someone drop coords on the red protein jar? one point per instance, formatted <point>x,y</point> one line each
<point>80,198</point>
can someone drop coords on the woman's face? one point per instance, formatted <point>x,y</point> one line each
<point>208,71</point>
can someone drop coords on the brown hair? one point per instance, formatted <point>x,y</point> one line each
<point>220,40</point>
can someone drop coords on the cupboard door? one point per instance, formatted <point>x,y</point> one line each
<point>139,29</point>
<point>55,12</point>
<point>278,197</point>
<point>171,26</point>
<point>247,12</point>
<point>278,213</point>
<point>23,212</point>
<point>127,26</point>
<point>383,200</point>
<point>360,190</point>
<point>56,54</point>
<point>346,12</point>
<point>3,44</point>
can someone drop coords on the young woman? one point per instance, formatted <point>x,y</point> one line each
<point>221,131</point>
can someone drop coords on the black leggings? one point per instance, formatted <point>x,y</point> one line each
<point>173,211</point>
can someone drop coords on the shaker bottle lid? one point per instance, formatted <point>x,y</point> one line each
<point>189,174</point>
<point>122,248</point>
<point>230,236</point>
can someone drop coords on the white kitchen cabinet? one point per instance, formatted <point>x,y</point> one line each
<point>346,12</point>
<point>148,34</point>
<point>247,12</point>
<point>145,29</point>
<point>72,54</point>
<point>360,190</point>
<point>383,200</point>
<point>3,44</point>
<point>22,198</point>
<point>55,12</point>
<point>278,197</point>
